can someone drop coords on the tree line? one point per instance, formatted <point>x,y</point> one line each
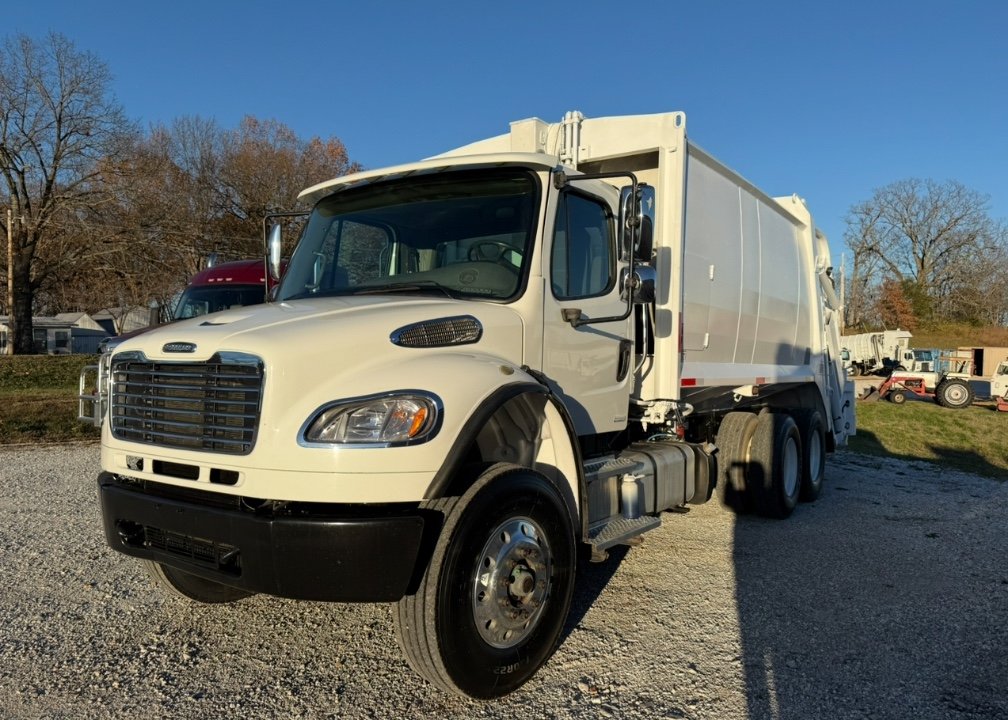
<point>101,213</point>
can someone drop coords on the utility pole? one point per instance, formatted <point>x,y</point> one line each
<point>843,292</point>
<point>11,334</point>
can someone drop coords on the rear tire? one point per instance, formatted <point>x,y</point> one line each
<point>192,587</point>
<point>734,437</point>
<point>812,430</point>
<point>496,594</point>
<point>954,393</point>
<point>775,472</point>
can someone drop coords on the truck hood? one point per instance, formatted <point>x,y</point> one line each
<point>354,329</point>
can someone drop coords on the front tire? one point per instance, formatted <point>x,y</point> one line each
<point>191,587</point>
<point>496,594</point>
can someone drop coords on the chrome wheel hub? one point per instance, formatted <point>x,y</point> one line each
<point>511,583</point>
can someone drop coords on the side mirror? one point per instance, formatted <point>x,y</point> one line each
<point>637,217</point>
<point>273,249</point>
<point>645,238</point>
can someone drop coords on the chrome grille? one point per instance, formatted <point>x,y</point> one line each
<point>212,405</point>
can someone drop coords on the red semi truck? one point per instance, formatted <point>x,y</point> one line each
<point>222,287</point>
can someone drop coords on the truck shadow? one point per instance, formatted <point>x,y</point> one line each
<point>965,460</point>
<point>592,579</point>
<point>861,605</point>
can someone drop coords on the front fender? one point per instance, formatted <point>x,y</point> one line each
<point>518,422</point>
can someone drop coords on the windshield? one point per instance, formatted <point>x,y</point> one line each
<point>205,299</point>
<point>463,234</point>
<point>923,355</point>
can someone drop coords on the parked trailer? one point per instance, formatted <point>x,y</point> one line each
<point>477,368</point>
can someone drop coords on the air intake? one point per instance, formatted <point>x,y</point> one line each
<point>443,332</point>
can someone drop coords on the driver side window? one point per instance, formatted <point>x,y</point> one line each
<point>583,263</point>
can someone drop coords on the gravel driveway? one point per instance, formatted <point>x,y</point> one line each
<point>886,598</point>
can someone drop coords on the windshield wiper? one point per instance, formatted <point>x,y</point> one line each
<point>402,287</point>
<point>414,286</point>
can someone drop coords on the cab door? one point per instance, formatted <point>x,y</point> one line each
<point>589,365</point>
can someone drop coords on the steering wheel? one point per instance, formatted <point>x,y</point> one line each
<point>493,251</point>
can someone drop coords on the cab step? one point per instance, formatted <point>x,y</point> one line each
<point>620,531</point>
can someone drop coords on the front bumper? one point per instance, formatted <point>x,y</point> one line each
<point>344,553</point>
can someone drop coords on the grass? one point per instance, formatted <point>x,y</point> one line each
<point>974,439</point>
<point>38,404</point>
<point>948,336</point>
<point>38,399</point>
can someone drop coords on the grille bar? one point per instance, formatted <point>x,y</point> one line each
<point>201,413</point>
<point>212,405</point>
<point>147,395</point>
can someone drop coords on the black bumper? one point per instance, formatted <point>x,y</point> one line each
<point>309,556</point>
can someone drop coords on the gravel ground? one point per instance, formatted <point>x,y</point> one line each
<point>886,598</point>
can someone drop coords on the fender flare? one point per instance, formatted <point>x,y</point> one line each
<point>490,405</point>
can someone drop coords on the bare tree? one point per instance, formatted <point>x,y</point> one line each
<point>57,120</point>
<point>189,189</point>
<point>928,237</point>
<point>265,165</point>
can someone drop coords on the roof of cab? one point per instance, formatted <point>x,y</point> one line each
<point>427,167</point>
<point>252,272</point>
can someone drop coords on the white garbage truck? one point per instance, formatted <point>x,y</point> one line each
<point>477,370</point>
<point>873,352</point>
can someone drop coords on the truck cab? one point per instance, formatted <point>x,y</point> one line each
<point>221,287</point>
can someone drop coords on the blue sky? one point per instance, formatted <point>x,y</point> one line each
<point>828,100</point>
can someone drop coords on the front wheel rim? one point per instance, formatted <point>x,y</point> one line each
<point>511,582</point>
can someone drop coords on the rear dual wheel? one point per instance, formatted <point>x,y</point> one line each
<point>767,462</point>
<point>775,475</point>
<point>734,438</point>
<point>812,430</point>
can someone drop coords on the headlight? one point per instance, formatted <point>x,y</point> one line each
<point>394,419</point>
